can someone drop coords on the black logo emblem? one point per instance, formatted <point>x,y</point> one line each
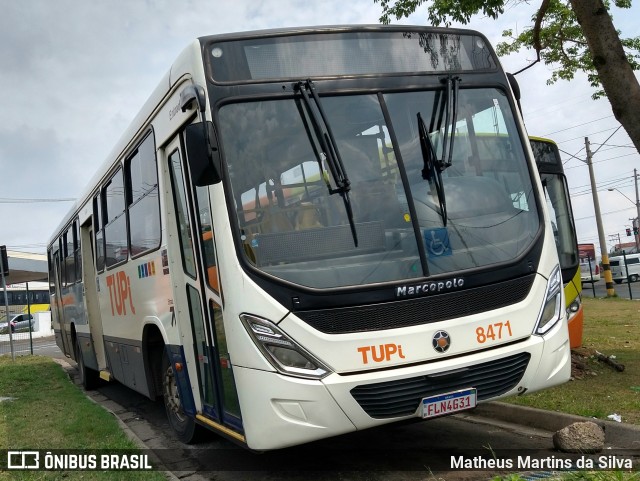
<point>441,341</point>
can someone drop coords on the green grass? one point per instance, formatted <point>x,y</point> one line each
<point>611,327</point>
<point>48,412</point>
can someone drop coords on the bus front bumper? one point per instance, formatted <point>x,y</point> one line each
<point>280,411</point>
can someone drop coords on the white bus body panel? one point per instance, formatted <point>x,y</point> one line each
<point>300,411</point>
<point>348,352</point>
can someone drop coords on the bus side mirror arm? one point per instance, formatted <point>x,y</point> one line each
<point>190,94</point>
<point>201,145</point>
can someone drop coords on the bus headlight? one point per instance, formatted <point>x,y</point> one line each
<point>552,309</point>
<point>286,356</point>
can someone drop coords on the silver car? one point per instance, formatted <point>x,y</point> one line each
<point>17,322</point>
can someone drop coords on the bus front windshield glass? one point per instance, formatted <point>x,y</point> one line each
<point>365,209</point>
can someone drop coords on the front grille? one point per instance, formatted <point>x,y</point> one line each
<point>402,397</point>
<point>415,311</point>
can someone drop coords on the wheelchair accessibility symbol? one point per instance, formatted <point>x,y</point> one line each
<point>437,242</point>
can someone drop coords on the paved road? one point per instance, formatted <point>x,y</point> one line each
<point>409,451</point>
<point>22,346</point>
<point>622,290</point>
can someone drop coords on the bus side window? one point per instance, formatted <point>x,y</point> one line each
<point>77,251</point>
<point>143,203</point>
<point>115,230</point>
<point>99,233</point>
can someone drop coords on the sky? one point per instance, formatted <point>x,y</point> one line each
<point>73,74</point>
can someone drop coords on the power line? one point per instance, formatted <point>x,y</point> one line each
<point>617,146</point>
<point>572,156</point>
<point>587,135</point>
<point>603,160</point>
<point>579,125</point>
<point>545,110</point>
<point>605,213</point>
<point>614,183</point>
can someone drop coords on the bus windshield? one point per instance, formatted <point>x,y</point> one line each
<point>293,224</point>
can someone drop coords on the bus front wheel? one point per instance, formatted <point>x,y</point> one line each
<point>183,425</point>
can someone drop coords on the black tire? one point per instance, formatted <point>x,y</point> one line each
<point>90,378</point>
<point>633,278</point>
<point>184,426</point>
<point>618,281</point>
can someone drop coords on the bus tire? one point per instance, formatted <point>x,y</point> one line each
<point>633,278</point>
<point>89,378</point>
<point>183,425</point>
<point>618,281</point>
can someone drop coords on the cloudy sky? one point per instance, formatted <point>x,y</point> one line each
<point>73,73</point>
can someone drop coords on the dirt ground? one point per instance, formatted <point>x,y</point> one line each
<point>583,358</point>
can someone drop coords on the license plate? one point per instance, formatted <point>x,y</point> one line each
<point>449,403</point>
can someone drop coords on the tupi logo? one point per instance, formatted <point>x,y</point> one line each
<point>120,291</point>
<point>380,353</point>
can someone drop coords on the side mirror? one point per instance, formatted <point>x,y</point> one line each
<point>203,156</point>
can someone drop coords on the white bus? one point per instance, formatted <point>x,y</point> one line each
<point>307,232</point>
<point>25,298</point>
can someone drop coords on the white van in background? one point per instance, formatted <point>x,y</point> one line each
<point>632,271</point>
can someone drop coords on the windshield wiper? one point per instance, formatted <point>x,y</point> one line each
<point>434,166</point>
<point>329,152</point>
<point>451,117</point>
<point>432,170</point>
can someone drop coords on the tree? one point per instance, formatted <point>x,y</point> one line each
<point>571,35</point>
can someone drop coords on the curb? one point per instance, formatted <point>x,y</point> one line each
<point>68,368</point>
<point>618,435</point>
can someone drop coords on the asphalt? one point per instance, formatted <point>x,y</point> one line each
<point>146,436</point>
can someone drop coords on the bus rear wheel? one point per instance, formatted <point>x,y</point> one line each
<point>89,378</point>
<point>633,278</point>
<point>184,426</point>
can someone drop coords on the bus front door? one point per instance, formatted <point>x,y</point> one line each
<point>199,292</point>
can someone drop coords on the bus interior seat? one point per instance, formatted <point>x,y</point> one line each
<point>276,220</point>
<point>361,159</point>
<point>308,217</point>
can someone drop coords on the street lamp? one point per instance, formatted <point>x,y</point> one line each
<point>637,204</point>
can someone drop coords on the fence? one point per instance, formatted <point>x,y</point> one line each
<point>25,330</point>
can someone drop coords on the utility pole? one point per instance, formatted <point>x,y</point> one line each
<point>608,279</point>
<point>636,224</point>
